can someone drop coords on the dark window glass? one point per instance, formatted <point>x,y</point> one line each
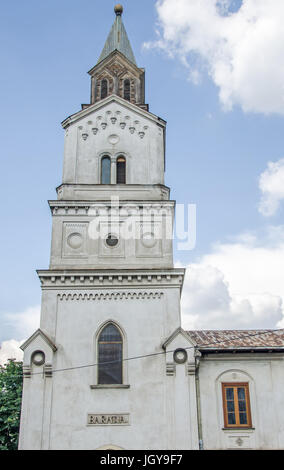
<point>104,89</point>
<point>127,90</point>
<point>231,418</point>
<point>105,170</point>
<point>242,406</point>
<point>110,356</point>
<point>243,418</point>
<point>241,394</point>
<point>121,170</point>
<point>230,406</point>
<point>230,393</point>
<point>236,405</point>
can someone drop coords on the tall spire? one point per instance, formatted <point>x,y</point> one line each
<point>118,39</point>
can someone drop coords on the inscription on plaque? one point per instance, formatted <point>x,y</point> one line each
<point>108,419</point>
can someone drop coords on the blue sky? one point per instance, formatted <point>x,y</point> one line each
<point>217,148</point>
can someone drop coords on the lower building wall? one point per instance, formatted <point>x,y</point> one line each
<point>55,409</point>
<point>265,376</point>
<point>160,403</point>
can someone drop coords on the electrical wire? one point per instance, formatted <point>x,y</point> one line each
<point>200,346</point>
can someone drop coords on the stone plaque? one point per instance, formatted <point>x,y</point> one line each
<point>108,419</point>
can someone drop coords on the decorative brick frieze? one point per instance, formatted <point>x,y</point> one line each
<point>132,295</point>
<point>125,209</point>
<point>112,120</point>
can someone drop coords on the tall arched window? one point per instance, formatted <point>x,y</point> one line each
<point>110,355</point>
<point>127,89</point>
<point>104,88</point>
<point>120,170</point>
<point>105,170</point>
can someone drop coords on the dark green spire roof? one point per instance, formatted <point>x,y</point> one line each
<point>118,39</point>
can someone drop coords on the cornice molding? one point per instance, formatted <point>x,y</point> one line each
<point>182,332</point>
<point>32,338</point>
<point>102,208</point>
<point>239,356</point>
<point>114,55</point>
<point>110,99</point>
<point>111,279</point>
<point>127,193</point>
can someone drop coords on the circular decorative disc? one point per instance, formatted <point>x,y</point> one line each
<point>38,358</point>
<point>75,240</point>
<point>148,239</point>
<point>111,240</point>
<point>113,139</point>
<point>180,356</point>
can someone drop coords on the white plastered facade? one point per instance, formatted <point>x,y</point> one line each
<point>162,403</point>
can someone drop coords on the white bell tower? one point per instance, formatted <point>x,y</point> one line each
<point>111,293</point>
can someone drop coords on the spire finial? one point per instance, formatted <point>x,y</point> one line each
<point>118,9</point>
<point>117,38</point>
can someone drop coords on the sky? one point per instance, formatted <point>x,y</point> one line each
<point>215,73</point>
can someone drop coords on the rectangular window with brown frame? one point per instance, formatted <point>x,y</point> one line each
<point>236,405</point>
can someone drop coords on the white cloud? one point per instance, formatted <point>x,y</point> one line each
<point>23,325</point>
<point>271,184</point>
<point>237,285</point>
<point>239,43</point>
<point>10,350</point>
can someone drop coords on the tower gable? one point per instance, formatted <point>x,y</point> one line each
<point>113,128</point>
<point>116,69</point>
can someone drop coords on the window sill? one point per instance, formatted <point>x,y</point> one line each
<point>238,429</point>
<point>108,386</point>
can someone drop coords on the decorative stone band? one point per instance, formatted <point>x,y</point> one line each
<point>112,296</point>
<point>113,121</point>
<point>27,371</point>
<point>111,279</point>
<point>190,367</point>
<point>170,369</point>
<point>125,209</point>
<point>114,99</point>
<point>46,371</point>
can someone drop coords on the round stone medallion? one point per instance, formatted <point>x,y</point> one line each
<point>38,358</point>
<point>180,356</point>
<point>113,139</point>
<point>111,240</point>
<point>148,239</point>
<point>75,240</point>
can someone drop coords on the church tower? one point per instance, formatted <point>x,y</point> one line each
<point>97,373</point>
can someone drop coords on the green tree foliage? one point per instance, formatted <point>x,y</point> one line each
<point>10,404</point>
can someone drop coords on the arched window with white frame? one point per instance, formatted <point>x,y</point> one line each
<point>120,170</point>
<point>105,170</point>
<point>110,355</point>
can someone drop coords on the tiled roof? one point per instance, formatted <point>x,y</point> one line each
<point>238,339</point>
